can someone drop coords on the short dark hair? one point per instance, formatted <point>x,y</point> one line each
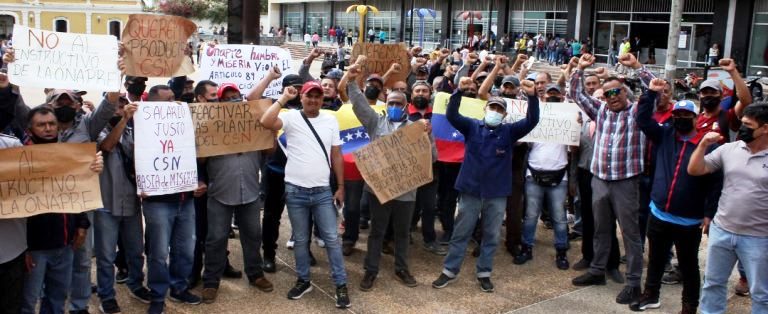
<point>155,91</point>
<point>757,111</point>
<point>41,110</point>
<point>202,86</point>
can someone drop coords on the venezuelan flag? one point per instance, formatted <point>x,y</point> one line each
<point>449,142</point>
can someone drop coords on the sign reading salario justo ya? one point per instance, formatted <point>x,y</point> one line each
<point>223,128</point>
<point>246,66</point>
<point>165,148</point>
<point>64,60</point>
<point>155,45</point>
<point>33,182</point>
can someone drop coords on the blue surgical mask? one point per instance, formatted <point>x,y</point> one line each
<point>492,118</point>
<point>395,113</point>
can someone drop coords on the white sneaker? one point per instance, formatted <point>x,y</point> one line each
<point>289,244</point>
<point>320,242</point>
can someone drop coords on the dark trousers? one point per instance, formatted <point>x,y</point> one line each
<point>12,285</point>
<point>120,262</point>
<point>645,209</point>
<point>219,222</point>
<point>353,192</point>
<point>201,231</point>
<point>588,223</point>
<point>274,203</point>
<point>399,213</point>
<point>686,239</point>
<point>515,202</point>
<point>447,196</point>
<point>426,198</point>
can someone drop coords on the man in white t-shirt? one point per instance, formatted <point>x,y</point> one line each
<point>307,181</point>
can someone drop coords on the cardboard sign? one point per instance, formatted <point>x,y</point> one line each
<point>558,122</point>
<point>226,128</point>
<point>246,66</point>
<point>64,60</point>
<point>165,148</point>
<point>48,178</point>
<point>154,45</point>
<point>380,58</point>
<point>397,163</point>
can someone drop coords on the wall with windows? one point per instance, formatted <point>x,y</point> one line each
<point>758,50</point>
<point>292,15</point>
<point>548,17</point>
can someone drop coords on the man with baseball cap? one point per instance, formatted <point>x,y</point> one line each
<point>681,204</point>
<point>714,117</point>
<point>313,140</point>
<point>228,92</point>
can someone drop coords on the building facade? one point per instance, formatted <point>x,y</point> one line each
<point>84,16</point>
<point>739,27</point>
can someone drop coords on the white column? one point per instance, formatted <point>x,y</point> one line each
<point>24,20</point>
<point>729,29</point>
<point>577,29</point>
<point>88,22</point>
<point>37,18</point>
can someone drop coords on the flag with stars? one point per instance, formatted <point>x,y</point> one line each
<point>449,141</point>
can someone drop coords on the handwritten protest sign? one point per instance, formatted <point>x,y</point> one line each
<point>380,58</point>
<point>558,122</point>
<point>154,45</point>
<point>245,65</point>
<point>64,60</point>
<point>32,182</point>
<point>228,128</point>
<point>397,163</point>
<point>165,148</point>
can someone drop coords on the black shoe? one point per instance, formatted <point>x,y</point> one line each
<point>513,250</point>
<point>364,225</point>
<point>445,239</point>
<point>588,279</point>
<point>347,249</point>
<point>574,236</point>
<point>561,260</point>
<point>300,289</point>
<point>184,297</point>
<point>121,276</point>
<point>406,278</point>
<point>312,260</point>
<point>615,275</point>
<point>231,272</point>
<point>109,307</point>
<point>485,284</point>
<point>442,281</point>
<point>647,300</point>
<point>193,281</point>
<point>156,308</point>
<point>526,254</point>
<point>141,294</point>
<point>342,297</point>
<point>628,295</point>
<point>367,283</point>
<point>269,266</point>
<point>581,265</point>
<point>672,277</point>
<point>435,248</point>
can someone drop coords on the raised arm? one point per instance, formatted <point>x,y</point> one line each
<point>307,63</point>
<point>645,75</point>
<point>645,113</point>
<point>97,120</point>
<point>113,139</point>
<point>520,128</point>
<point>485,88</point>
<point>586,102</point>
<point>458,121</point>
<point>742,90</point>
<point>698,166</point>
<point>257,92</point>
<point>363,111</point>
<point>394,69</point>
<point>269,119</point>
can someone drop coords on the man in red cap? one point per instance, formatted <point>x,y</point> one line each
<point>228,92</point>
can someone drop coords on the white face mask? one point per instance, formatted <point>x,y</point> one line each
<point>492,118</point>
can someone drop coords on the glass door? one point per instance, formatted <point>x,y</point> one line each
<point>619,31</point>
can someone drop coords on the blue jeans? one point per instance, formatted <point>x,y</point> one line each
<point>107,228</point>
<point>535,196</point>
<point>470,209</point>
<point>318,203</point>
<point>170,230</point>
<point>50,276</point>
<point>723,249</point>
<point>81,284</point>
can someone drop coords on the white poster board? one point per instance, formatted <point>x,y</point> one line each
<point>558,122</point>
<point>64,60</point>
<point>165,152</point>
<point>245,65</point>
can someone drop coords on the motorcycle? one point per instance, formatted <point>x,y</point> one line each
<point>687,87</point>
<point>755,84</point>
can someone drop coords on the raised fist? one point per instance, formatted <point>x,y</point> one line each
<point>521,58</point>
<point>629,60</point>
<point>464,83</point>
<point>274,73</point>
<point>711,138</point>
<point>528,87</point>
<point>657,85</point>
<point>290,92</point>
<point>601,73</point>
<point>9,56</point>
<point>586,61</point>
<point>315,53</point>
<point>728,64</point>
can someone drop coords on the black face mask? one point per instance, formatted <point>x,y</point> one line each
<point>508,95</point>
<point>188,97</point>
<point>746,134</point>
<point>683,125</point>
<point>372,92</point>
<point>470,94</point>
<point>136,89</point>
<point>40,140</point>
<point>65,114</point>
<point>294,103</point>
<point>115,120</point>
<point>420,102</point>
<point>553,99</point>
<point>710,102</point>
<point>407,97</point>
<point>328,99</point>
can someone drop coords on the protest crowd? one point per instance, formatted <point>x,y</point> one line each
<point>664,172</point>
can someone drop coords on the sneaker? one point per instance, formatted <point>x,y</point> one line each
<point>615,275</point>
<point>628,295</point>
<point>156,308</point>
<point>347,248</point>
<point>561,260</point>
<point>671,277</point>
<point>485,284</point>
<point>231,272</point>
<point>588,279</point>
<point>184,297</point>
<point>261,283</point>
<point>121,277</point>
<point>526,254</point>
<point>209,295</point>
<point>269,265</point>
<point>342,297</point>
<point>742,287</point>
<point>300,289</point>
<point>445,239</point>
<point>406,278</point>
<point>290,244</point>
<point>141,294</point>
<point>581,265</point>
<point>688,309</point>
<point>436,249</point>
<point>109,307</point>
<point>320,242</point>
<point>367,283</point>
<point>442,281</point>
<point>647,300</point>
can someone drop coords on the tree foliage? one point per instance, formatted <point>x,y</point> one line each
<point>213,10</point>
